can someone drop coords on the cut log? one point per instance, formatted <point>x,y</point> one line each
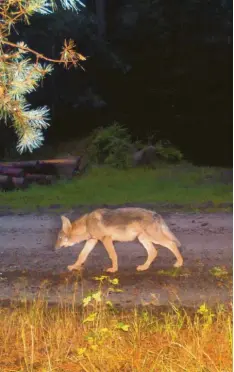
<point>42,179</point>
<point>6,183</point>
<point>19,164</point>
<point>20,182</point>
<point>32,163</point>
<point>56,167</point>
<point>10,171</point>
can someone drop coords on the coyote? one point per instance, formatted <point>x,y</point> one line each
<point>123,225</point>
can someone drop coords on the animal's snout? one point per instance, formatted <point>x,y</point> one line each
<point>56,247</point>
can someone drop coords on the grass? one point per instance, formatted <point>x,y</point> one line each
<point>174,272</point>
<point>98,337</point>
<point>219,272</point>
<point>179,184</point>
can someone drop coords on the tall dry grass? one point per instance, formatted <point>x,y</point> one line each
<point>98,337</point>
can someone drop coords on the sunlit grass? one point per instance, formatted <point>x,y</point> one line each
<point>98,337</point>
<point>219,272</point>
<point>183,184</point>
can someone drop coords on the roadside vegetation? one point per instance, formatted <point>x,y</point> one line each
<point>100,337</point>
<point>180,184</point>
<point>110,177</point>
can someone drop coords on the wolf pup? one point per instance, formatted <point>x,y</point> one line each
<point>122,225</point>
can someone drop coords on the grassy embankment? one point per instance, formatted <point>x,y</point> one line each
<point>178,184</point>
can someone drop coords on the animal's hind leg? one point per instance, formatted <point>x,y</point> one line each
<point>163,240</point>
<point>151,250</point>
<point>173,248</point>
<point>171,245</point>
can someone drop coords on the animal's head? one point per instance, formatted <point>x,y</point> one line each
<point>71,234</point>
<point>64,235</point>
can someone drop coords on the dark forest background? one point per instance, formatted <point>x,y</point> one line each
<point>161,68</point>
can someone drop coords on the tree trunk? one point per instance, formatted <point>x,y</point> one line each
<point>100,12</point>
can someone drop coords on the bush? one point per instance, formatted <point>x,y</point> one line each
<point>111,146</point>
<point>168,152</point>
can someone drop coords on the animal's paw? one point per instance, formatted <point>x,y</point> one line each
<point>111,270</point>
<point>141,268</point>
<point>74,267</point>
<point>178,264</point>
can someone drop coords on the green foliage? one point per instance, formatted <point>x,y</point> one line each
<point>124,327</point>
<point>168,152</point>
<point>19,75</point>
<point>19,78</point>
<point>174,272</point>
<point>111,146</point>
<point>206,314</point>
<point>219,272</point>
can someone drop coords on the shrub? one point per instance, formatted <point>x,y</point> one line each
<point>168,152</point>
<point>111,146</point>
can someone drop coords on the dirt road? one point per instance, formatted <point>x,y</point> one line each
<point>27,260</point>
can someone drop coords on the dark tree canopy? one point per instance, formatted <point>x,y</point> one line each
<point>161,68</point>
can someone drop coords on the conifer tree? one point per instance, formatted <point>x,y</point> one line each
<point>22,69</point>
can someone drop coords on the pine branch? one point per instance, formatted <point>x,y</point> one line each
<point>19,76</point>
<point>68,53</point>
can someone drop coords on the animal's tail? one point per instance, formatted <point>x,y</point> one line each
<point>169,234</point>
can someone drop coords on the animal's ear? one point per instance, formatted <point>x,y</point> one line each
<point>66,225</point>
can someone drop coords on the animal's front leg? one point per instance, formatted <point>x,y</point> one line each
<point>151,250</point>
<point>108,244</point>
<point>89,245</point>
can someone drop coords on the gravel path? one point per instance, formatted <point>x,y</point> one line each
<point>27,260</point>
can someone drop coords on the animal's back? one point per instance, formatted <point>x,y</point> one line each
<point>125,216</point>
<point>122,224</point>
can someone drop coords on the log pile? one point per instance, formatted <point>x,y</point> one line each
<point>19,175</point>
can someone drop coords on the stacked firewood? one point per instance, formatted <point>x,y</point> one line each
<point>20,174</point>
